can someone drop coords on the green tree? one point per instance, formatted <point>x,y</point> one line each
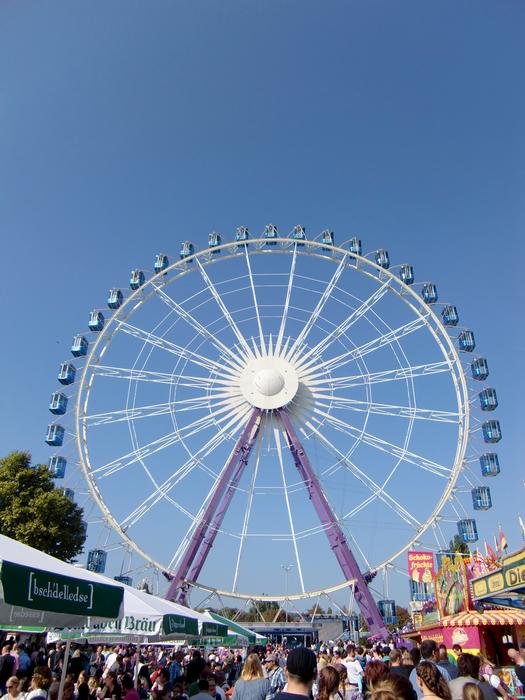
<point>403,616</point>
<point>34,512</point>
<point>457,545</point>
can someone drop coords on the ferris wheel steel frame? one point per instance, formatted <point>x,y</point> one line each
<point>425,317</point>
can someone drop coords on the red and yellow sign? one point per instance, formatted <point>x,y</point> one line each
<point>421,567</point>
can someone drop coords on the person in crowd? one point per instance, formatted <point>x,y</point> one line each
<point>328,685</point>
<point>406,659</point>
<point>471,691</point>
<point>81,686</point>
<point>429,652</point>
<point>519,664</point>
<point>275,674</point>
<point>162,688</point>
<point>415,655</point>
<point>7,667</point>
<point>128,688</point>
<point>12,689</point>
<point>444,662</point>
<point>214,689</point>
<point>392,687</point>
<point>203,690</point>
<point>252,685</point>
<point>39,685</point>
<point>374,672</point>
<point>456,650</point>
<point>431,680</point>
<point>343,678</point>
<point>396,664</point>
<point>301,670</point>
<point>110,688</point>
<point>468,672</point>
<point>354,670</point>
<point>235,670</point>
<point>92,687</point>
<point>69,690</point>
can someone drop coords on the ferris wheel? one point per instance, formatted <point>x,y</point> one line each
<point>277,417</point>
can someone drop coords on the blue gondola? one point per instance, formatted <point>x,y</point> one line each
<point>489,464</point>
<point>96,321</point>
<point>299,235</point>
<point>96,561</point>
<point>241,235</point>
<point>327,237</point>
<point>270,234</point>
<point>354,246</point>
<point>187,248</point>
<point>419,590</point>
<point>214,240</point>
<point>55,435</point>
<point>80,346</point>
<point>136,279</point>
<point>126,580</point>
<point>115,298</point>
<point>58,404</point>
<point>481,498</point>
<point>491,431</point>
<point>406,273</point>
<point>67,373</point>
<point>488,399</point>
<point>382,258</point>
<point>57,466</point>
<point>466,341</point>
<point>353,622</point>
<point>161,263</point>
<point>429,293</point>
<point>467,530</point>
<point>387,610</point>
<point>450,315</point>
<point>480,369</point>
<point>68,493</point>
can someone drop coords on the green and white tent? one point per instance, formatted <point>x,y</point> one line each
<point>237,634</point>
<point>38,590</point>
<point>145,619</point>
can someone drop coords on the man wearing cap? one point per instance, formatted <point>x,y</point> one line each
<point>301,671</point>
<point>275,674</point>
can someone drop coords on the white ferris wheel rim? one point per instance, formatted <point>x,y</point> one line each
<point>257,246</point>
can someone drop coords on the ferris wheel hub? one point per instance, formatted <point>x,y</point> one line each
<point>269,382</point>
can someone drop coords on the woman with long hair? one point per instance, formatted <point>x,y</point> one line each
<point>472,691</point>
<point>392,687</point>
<point>328,684</point>
<point>252,685</point>
<point>13,689</point>
<point>431,682</point>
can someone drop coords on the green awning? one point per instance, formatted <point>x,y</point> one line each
<point>234,627</point>
<point>213,629</point>
<point>37,589</point>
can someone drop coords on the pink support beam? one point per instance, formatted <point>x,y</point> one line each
<point>335,535</point>
<point>178,586</point>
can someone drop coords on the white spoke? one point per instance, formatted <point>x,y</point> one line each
<point>230,357</point>
<point>184,353</point>
<point>161,443</point>
<point>388,447</point>
<point>372,345</point>
<point>181,473</point>
<point>280,335</point>
<point>239,421</point>
<point>318,309</point>
<point>277,438</point>
<point>255,304</point>
<point>227,315</point>
<point>126,414</point>
<point>385,409</point>
<point>343,327</point>
<point>247,512</point>
<point>377,491</point>
<point>390,375</point>
<point>139,375</point>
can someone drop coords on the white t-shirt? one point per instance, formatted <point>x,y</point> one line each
<point>353,670</point>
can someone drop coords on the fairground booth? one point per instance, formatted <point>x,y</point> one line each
<point>477,602</point>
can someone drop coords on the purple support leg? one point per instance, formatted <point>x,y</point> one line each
<point>336,537</point>
<point>177,585</point>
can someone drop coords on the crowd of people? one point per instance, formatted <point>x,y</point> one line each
<point>124,672</point>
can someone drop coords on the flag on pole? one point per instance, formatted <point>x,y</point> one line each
<point>522,526</point>
<point>502,540</point>
<point>490,553</point>
<point>496,547</point>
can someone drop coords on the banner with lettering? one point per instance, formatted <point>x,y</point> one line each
<point>421,567</point>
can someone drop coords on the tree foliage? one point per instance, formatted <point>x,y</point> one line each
<point>457,545</point>
<point>36,513</point>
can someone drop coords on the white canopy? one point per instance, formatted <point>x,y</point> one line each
<point>37,589</point>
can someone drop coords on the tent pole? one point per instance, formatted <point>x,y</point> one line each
<point>136,669</point>
<point>65,663</point>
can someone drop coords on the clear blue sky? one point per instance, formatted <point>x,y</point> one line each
<point>126,127</point>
